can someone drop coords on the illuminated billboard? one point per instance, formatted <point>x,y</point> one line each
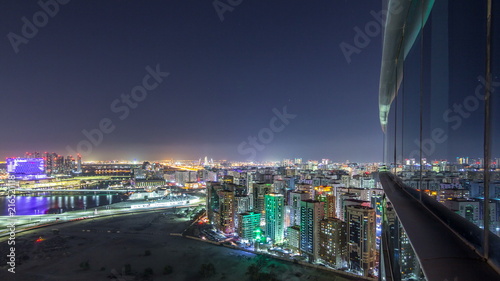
<point>26,167</point>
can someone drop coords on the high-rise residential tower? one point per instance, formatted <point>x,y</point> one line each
<point>333,242</point>
<point>275,217</point>
<point>361,238</point>
<point>311,212</point>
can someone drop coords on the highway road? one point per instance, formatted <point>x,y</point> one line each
<point>33,222</point>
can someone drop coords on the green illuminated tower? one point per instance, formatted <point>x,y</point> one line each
<point>275,217</point>
<point>249,226</point>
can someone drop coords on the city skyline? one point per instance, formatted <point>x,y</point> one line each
<point>250,140</point>
<point>227,80</point>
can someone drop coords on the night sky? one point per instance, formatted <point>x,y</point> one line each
<point>226,77</point>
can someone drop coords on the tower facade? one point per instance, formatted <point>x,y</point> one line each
<point>275,217</point>
<point>226,211</point>
<point>311,212</point>
<point>248,226</point>
<point>361,238</point>
<point>333,242</point>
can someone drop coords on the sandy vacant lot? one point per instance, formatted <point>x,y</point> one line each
<point>93,250</point>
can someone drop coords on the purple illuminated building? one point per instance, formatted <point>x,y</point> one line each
<point>26,167</point>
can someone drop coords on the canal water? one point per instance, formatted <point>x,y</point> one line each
<point>55,204</point>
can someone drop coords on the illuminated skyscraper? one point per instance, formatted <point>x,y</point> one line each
<point>275,217</point>
<point>50,162</point>
<point>259,191</point>
<point>330,208</point>
<point>248,226</point>
<point>57,164</point>
<point>352,202</point>
<point>213,200</point>
<point>241,205</point>
<point>341,198</point>
<point>333,242</point>
<point>294,203</point>
<point>293,238</point>
<point>311,212</point>
<point>361,238</point>
<point>79,164</point>
<point>69,165</point>
<point>226,211</point>
<point>329,199</point>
